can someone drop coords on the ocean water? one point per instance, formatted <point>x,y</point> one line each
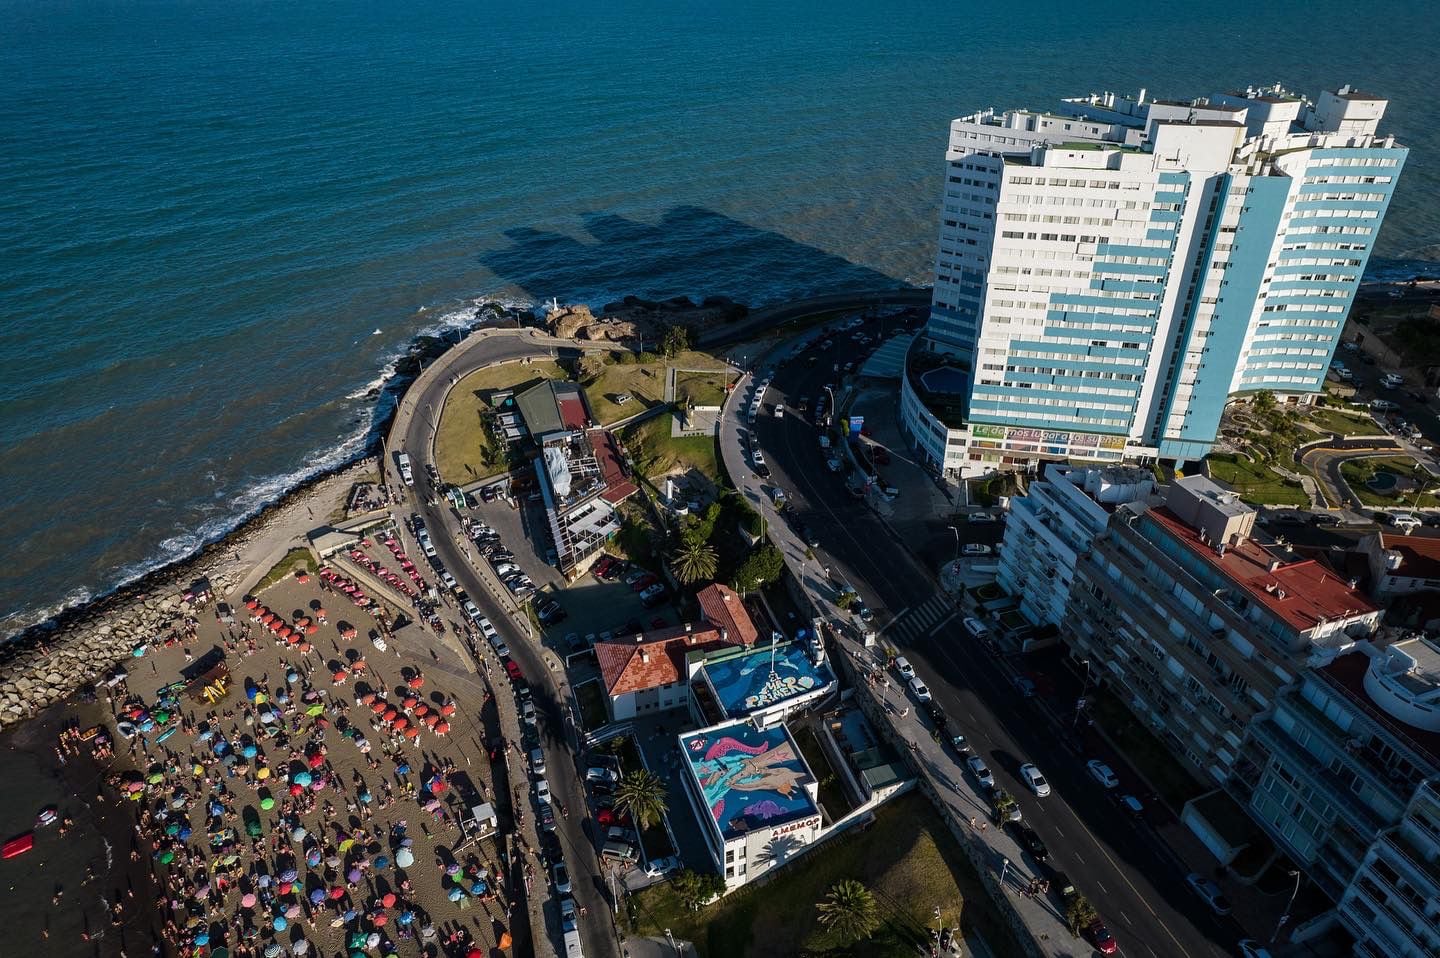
<point>221,222</point>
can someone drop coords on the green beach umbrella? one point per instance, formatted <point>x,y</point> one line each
<point>316,709</point>
<point>267,803</point>
<point>167,858</point>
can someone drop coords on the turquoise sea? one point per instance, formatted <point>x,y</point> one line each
<point>221,222</point>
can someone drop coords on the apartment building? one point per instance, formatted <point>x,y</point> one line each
<point>1111,272</point>
<point>1196,620</point>
<point>1349,786</point>
<point>1052,525</point>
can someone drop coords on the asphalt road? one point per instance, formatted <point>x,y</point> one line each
<point>1125,870</point>
<point>557,738</point>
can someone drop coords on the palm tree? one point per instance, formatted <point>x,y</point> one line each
<point>849,910</point>
<point>694,562</point>
<point>1079,913</point>
<point>641,794</point>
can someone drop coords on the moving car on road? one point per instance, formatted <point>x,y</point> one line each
<point>1034,780</point>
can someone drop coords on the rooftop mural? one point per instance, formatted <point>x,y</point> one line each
<point>751,779</point>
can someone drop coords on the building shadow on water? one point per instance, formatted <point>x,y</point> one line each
<point>689,251</point>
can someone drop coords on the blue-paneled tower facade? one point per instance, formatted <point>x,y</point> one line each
<point>1112,273</point>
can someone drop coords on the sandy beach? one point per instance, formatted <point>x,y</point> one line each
<point>340,761</point>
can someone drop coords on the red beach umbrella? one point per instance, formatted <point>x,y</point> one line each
<point>348,632</point>
<point>311,629</point>
<point>252,603</point>
<point>448,708</point>
<point>367,699</point>
<point>417,681</point>
<point>379,708</point>
<point>390,713</point>
<point>339,677</point>
<point>317,760</point>
<point>432,720</point>
<point>421,711</point>
<point>412,732</point>
<point>401,722</point>
<point>389,900</point>
<point>411,701</point>
<point>442,728</point>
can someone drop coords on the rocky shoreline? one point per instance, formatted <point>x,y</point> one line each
<point>53,660</point>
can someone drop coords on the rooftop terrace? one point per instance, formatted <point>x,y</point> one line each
<point>750,778</point>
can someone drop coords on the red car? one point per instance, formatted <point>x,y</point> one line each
<point>513,670</point>
<point>602,566</point>
<point>1101,938</point>
<point>644,582</point>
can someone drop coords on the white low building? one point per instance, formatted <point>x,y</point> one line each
<point>754,795</point>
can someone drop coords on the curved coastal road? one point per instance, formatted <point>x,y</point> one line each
<point>413,432</point>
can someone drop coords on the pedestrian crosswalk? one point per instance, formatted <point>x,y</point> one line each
<point>917,622</point>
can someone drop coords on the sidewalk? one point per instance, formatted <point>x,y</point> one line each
<point>995,857</point>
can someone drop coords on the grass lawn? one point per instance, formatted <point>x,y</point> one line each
<point>1257,483</point>
<point>295,558</point>
<point>906,858</point>
<point>1333,420</point>
<point>1358,471</point>
<point>832,793</point>
<point>657,453</point>
<point>644,384</point>
<point>1148,754</point>
<point>463,452</point>
<point>701,389</point>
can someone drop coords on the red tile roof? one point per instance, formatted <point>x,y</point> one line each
<point>572,412</point>
<point>1302,594</point>
<point>618,488</point>
<point>723,607</point>
<point>658,659</point>
<point>1419,555</point>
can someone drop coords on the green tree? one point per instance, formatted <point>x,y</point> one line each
<point>845,600</point>
<point>762,565</point>
<point>675,341</point>
<point>1263,401</point>
<point>1079,913</point>
<point>849,910</point>
<point>641,794</point>
<point>1005,804</point>
<point>694,561</point>
<point>696,888</point>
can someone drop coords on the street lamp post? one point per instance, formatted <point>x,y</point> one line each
<point>957,541</point>
<point>671,938</point>
<point>1295,874</point>
<point>1004,869</point>
<point>1084,687</point>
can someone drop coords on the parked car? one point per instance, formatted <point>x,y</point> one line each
<point>1102,773</point>
<point>1036,781</point>
<point>512,669</point>
<point>937,715</point>
<point>921,690</point>
<point>634,576</point>
<point>981,771</point>
<point>653,595</point>
<point>542,791</point>
<point>547,818</point>
<point>471,610</point>
<point>1030,840</point>
<point>1025,686</point>
<point>960,745</point>
<point>448,580</point>
<point>537,762</point>
<point>644,582</point>
<point>527,712</point>
<point>1101,938</point>
<point>662,866</point>
<point>975,627</point>
<point>980,518</point>
<point>1209,892</point>
<point>777,496</point>
<point>601,773</point>
<point>561,875</point>
<point>903,668</point>
<point>1250,948</point>
<point>975,549</point>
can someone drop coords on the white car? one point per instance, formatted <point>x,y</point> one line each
<point>449,581</point>
<point>757,457</point>
<point>1035,780</point>
<point>537,761</point>
<point>903,666</point>
<point>1383,405</point>
<point>975,627</point>
<point>975,549</point>
<point>921,690</point>
<point>542,791</point>
<point>472,611</point>
<point>981,518</point>
<point>777,496</point>
<point>981,771</point>
<point>1102,773</point>
<point>1250,948</point>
